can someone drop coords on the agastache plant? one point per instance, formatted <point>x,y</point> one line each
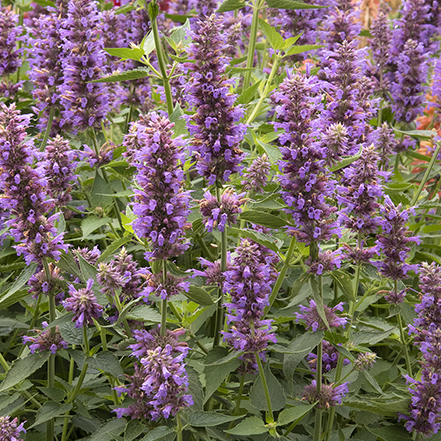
<point>10,430</point>
<point>10,34</point>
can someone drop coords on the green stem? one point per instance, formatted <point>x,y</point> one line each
<point>77,389</point>
<point>178,427</point>
<point>153,12</point>
<point>426,175</point>
<point>265,91</point>
<point>252,46</point>
<point>319,375</point>
<point>318,425</point>
<point>270,415</point>
<point>281,277</point>
<point>239,395</point>
<point>48,129</point>
<point>164,302</point>
<point>4,363</point>
<point>403,341</point>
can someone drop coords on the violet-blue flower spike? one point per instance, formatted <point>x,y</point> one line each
<point>83,60</point>
<point>161,204</point>
<point>249,285</point>
<point>215,127</point>
<point>10,429</point>
<point>329,360</point>
<point>83,304</point>
<point>256,176</point>
<point>10,33</point>
<point>329,395</point>
<point>46,341</point>
<point>314,322</point>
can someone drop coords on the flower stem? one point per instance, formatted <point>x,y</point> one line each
<point>426,175</point>
<point>178,427</point>
<point>48,129</point>
<point>281,277</point>
<point>153,10</point>
<point>252,46</point>
<point>270,415</point>
<point>319,374</point>
<point>239,395</point>
<point>403,340</point>
<point>164,302</point>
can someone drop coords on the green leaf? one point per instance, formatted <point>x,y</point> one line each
<point>180,127</point>
<point>271,242</point>
<point>209,419</point>
<point>71,334</point>
<point>145,313</point>
<point>49,411</point>
<point>391,433</point>
<point>100,187</point>
<point>92,223</point>
<point>346,161</point>
<point>246,96</point>
<point>293,414</point>
<point>133,430</point>
<point>231,5</point>
<point>110,430</point>
<point>385,408</point>
<point>274,38</point>
<point>291,4</point>
<point>233,355</point>
<point>216,375</point>
<point>303,48</point>
<point>54,393</point>
<point>370,337</point>
<point>250,426</point>
<point>178,18</point>
<point>68,263</point>
<point>420,134</point>
<point>61,223</point>
<point>319,302</point>
<point>158,433</point>
<point>199,295</point>
<point>180,33</point>
<point>9,297</point>
<point>264,219</point>
<point>116,245</point>
<point>107,362</point>
<point>134,74</point>
<point>344,282</point>
<point>195,388</point>
<point>126,53</point>
<point>277,394</point>
<point>23,368</point>
<point>88,271</point>
<point>372,381</point>
<point>45,3</point>
<point>273,153</point>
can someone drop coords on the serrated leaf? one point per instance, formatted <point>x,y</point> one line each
<point>148,43</point>
<point>264,219</point>
<point>145,313</point>
<point>134,74</point>
<point>294,413</point>
<point>109,431</point>
<point>199,295</point>
<point>68,263</point>
<point>250,426</point>
<point>391,433</point>
<point>421,134</point>
<point>158,433</point>
<point>9,297</point>
<point>126,53</point>
<point>71,334</point>
<point>247,94</point>
<point>107,362</point>
<point>303,48</point>
<point>92,223</point>
<point>54,393</point>
<point>346,161</point>
<point>180,34</point>
<point>114,246</point>
<point>99,188</point>
<point>23,368</point>
<point>88,271</point>
<point>180,127</point>
<point>49,411</point>
<point>319,302</point>
<point>231,5</point>
<point>277,394</point>
<point>133,430</point>
<point>344,282</point>
<point>274,38</point>
<point>386,408</point>
<point>291,4</point>
<point>209,419</point>
<point>272,152</point>
<point>271,242</point>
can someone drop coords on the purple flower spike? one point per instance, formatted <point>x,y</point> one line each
<point>326,261</point>
<point>218,214</point>
<point>10,430</point>
<point>10,33</point>
<point>46,341</point>
<point>313,320</point>
<point>330,358</point>
<point>83,304</point>
<point>329,395</point>
<point>161,204</point>
<point>164,289</point>
<point>214,127</point>
<point>365,361</point>
<point>256,176</point>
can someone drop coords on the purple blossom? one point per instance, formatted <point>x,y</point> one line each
<point>235,28</point>
<point>256,175</point>
<point>161,204</point>
<point>393,242</point>
<point>329,395</point>
<point>218,214</point>
<point>364,361</point>
<point>103,157</point>
<point>46,341</point>
<point>408,90</point>
<point>10,429</point>
<point>10,33</point>
<point>83,60</point>
<point>249,285</point>
<point>336,139</point>
<point>212,272</point>
<point>40,284</point>
<point>165,289</point>
<point>304,180</point>
<point>329,360</point>
<point>83,304</point>
<point>159,386</point>
<point>58,168</point>
<point>313,320</point>
<point>385,143</point>
<point>204,7</point>
<point>90,256</point>
<point>214,127</point>
<point>326,261</point>
<point>395,297</point>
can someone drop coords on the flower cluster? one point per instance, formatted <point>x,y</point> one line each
<point>159,386</point>
<point>25,191</point>
<point>212,273</point>
<point>40,283</point>
<point>10,429</point>
<point>256,175</point>
<point>161,204</point>
<point>326,261</point>
<point>305,184</point>
<point>385,143</point>
<point>249,285</point>
<point>365,361</point>
<point>164,288</point>
<point>328,396</point>
<point>214,127</point>
<point>10,33</point>
<point>85,104</point>
<point>314,321</point>
<point>46,340</point>
<point>83,304</point>
<point>329,360</point>
<point>217,214</point>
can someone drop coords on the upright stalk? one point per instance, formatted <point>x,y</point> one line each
<point>319,365</point>
<point>48,129</point>
<point>153,11</point>
<point>164,302</point>
<point>270,415</point>
<point>257,6</point>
